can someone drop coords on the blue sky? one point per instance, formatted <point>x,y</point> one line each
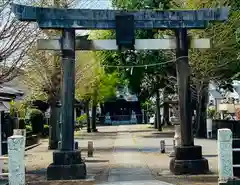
<point>87,4</point>
<point>95,4</point>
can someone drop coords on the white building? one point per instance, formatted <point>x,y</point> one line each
<point>214,96</point>
<point>236,92</point>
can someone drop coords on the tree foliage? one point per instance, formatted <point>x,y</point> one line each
<point>220,63</point>
<point>92,77</point>
<point>43,71</point>
<point>38,75</point>
<point>141,68</point>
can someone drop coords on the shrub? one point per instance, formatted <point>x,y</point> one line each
<point>81,121</point>
<point>82,118</point>
<point>28,128</point>
<point>36,119</point>
<point>45,130</point>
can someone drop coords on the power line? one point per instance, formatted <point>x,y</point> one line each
<point>142,65</point>
<point>135,66</point>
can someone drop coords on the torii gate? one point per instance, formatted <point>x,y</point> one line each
<point>67,163</point>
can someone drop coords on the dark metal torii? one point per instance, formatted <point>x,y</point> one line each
<point>67,163</point>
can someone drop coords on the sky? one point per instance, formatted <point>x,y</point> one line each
<point>86,4</point>
<point>95,4</point>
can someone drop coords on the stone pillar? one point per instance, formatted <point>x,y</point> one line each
<point>20,132</point>
<point>90,149</point>
<point>162,146</point>
<point>133,118</point>
<point>225,160</point>
<point>177,136</point>
<point>176,139</point>
<point>16,167</point>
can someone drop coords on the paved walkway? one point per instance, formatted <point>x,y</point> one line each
<point>128,165</point>
<point>127,154</point>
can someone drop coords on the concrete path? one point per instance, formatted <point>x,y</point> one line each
<point>124,155</point>
<point>127,165</point>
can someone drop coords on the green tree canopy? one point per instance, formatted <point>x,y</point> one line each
<point>139,68</point>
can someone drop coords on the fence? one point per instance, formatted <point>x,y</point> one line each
<point>123,119</point>
<point>228,157</point>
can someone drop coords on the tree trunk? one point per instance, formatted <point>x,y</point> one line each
<point>94,111</point>
<point>166,114</point>
<point>15,120</point>
<point>201,114</point>
<point>159,126</point>
<point>166,121</point>
<point>145,117</point>
<point>155,120</point>
<point>88,117</point>
<point>102,115</point>
<point>53,135</point>
<point>102,109</point>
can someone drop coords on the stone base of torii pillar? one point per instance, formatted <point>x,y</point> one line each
<point>67,165</point>
<point>189,160</point>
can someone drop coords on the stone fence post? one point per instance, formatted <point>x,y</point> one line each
<point>225,161</point>
<point>177,136</point>
<point>21,132</point>
<point>16,166</point>
<point>176,139</point>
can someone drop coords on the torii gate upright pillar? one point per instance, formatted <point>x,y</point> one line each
<point>67,163</point>
<point>68,62</point>
<point>188,157</point>
<point>184,90</point>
